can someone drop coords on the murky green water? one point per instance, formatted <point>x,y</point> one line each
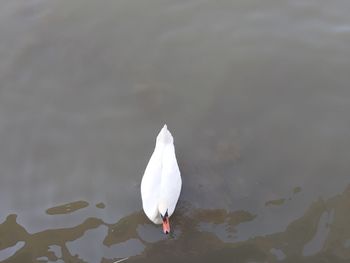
<point>256,94</point>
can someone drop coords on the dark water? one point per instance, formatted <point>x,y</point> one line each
<point>256,94</point>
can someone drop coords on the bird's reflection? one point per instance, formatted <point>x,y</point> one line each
<point>302,240</point>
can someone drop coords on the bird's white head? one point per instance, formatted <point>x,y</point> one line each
<point>163,211</point>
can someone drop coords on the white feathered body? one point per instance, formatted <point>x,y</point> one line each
<point>161,182</point>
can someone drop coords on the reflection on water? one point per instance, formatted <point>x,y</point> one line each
<point>67,208</point>
<point>320,235</point>
<point>255,92</point>
<point>275,202</point>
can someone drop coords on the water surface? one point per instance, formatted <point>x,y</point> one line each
<point>255,93</point>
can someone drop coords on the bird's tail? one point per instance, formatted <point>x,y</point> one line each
<point>165,136</point>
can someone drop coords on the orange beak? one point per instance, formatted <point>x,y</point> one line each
<point>166,225</point>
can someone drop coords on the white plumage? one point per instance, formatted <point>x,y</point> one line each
<point>161,182</point>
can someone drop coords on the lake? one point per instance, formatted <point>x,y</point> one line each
<point>255,93</point>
